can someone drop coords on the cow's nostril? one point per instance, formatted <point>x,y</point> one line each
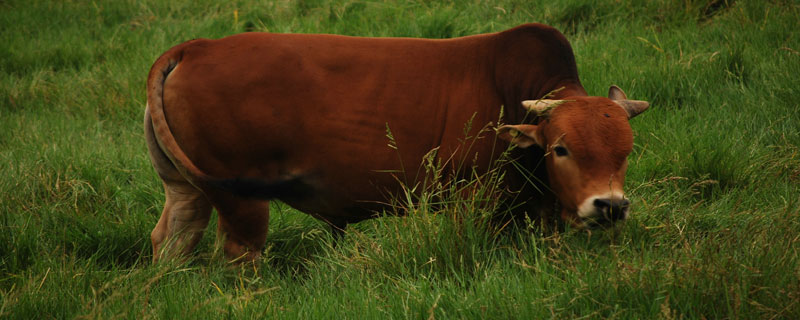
<point>602,204</point>
<point>612,209</point>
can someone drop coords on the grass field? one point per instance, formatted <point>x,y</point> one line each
<point>714,176</point>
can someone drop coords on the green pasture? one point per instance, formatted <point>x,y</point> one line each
<point>714,176</point>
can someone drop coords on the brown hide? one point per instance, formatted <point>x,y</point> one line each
<point>277,107</point>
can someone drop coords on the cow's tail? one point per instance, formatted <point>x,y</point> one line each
<point>155,92</point>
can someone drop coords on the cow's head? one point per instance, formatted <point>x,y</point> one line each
<point>587,141</point>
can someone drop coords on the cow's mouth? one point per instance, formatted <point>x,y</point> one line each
<point>600,223</point>
<point>588,223</point>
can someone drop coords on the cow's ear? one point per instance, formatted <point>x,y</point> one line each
<point>632,107</point>
<point>615,93</point>
<point>523,135</point>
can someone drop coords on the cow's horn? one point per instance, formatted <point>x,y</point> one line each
<point>541,106</point>
<point>632,107</point>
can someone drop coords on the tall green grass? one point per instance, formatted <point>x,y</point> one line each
<point>714,173</point>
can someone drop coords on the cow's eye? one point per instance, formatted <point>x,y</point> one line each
<point>560,151</point>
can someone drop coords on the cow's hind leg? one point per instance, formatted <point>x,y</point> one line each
<point>186,210</point>
<point>183,220</point>
<point>243,224</point>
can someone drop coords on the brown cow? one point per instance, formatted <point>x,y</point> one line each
<point>235,122</point>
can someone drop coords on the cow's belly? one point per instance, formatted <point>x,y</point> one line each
<point>349,183</point>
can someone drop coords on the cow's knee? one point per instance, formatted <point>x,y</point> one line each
<point>237,250</point>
